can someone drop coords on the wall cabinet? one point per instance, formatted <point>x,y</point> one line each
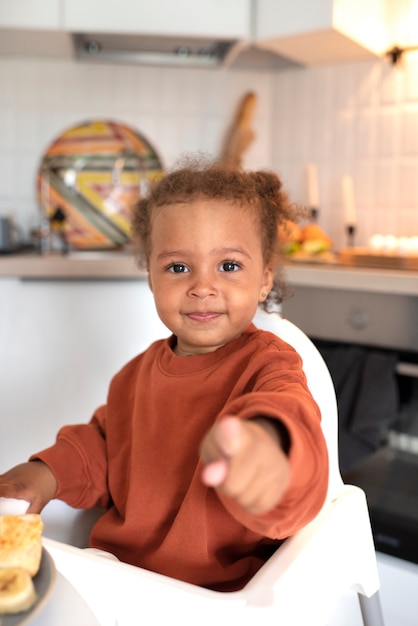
<point>319,31</point>
<point>65,340</point>
<point>216,18</point>
<point>303,31</point>
<point>27,14</point>
<point>33,28</point>
<point>207,18</point>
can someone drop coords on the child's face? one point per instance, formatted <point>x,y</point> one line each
<point>206,271</point>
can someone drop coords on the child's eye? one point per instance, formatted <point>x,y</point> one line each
<point>178,268</point>
<point>229,266</point>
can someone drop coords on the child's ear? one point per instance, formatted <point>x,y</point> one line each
<point>267,283</point>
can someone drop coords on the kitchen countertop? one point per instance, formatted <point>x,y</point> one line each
<point>371,280</point>
<point>75,265</point>
<point>121,265</point>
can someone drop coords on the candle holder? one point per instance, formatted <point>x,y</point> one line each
<point>351,231</point>
<point>313,214</point>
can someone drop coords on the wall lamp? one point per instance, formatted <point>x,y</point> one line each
<point>402,28</point>
<point>396,53</point>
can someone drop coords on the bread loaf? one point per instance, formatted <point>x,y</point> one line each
<point>21,542</point>
<point>17,591</point>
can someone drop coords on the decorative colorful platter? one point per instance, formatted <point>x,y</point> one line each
<point>88,180</point>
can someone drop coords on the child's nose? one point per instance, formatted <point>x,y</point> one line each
<point>203,285</point>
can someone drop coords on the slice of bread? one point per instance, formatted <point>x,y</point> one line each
<point>21,542</point>
<point>17,591</point>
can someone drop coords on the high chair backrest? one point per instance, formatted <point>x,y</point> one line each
<point>340,537</point>
<point>319,382</point>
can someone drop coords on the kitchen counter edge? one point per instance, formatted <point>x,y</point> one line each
<point>349,278</point>
<point>74,266</point>
<point>116,265</point>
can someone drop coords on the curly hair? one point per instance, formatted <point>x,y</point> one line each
<point>260,191</point>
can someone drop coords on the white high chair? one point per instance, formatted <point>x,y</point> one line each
<point>340,537</point>
<point>298,586</point>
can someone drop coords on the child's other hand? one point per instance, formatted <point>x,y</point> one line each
<point>244,460</point>
<point>32,481</point>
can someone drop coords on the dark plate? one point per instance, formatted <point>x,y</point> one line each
<point>44,582</point>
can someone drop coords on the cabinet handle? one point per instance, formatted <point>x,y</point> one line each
<point>407,369</point>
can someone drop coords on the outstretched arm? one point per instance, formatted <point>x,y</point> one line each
<point>247,460</point>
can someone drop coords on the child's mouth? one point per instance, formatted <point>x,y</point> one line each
<point>203,316</point>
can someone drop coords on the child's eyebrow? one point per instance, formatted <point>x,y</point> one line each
<point>169,255</point>
<point>238,250</point>
<point>216,251</point>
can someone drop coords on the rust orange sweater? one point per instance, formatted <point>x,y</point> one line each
<point>138,457</point>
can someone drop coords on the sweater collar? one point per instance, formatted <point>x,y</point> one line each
<point>170,363</point>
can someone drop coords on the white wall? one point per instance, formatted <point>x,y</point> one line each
<point>359,119</point>
<point>178,110</point>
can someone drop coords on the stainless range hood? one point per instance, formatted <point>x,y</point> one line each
<point>173,51</point>
<point>147,50</point>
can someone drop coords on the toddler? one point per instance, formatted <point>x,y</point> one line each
<point>209,450</point>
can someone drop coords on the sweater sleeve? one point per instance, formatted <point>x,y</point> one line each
<point>288,400</point>
<point>78,461</point>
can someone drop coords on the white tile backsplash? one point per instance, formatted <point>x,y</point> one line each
<point>367,128</point>
<point>359,119</point>
<point>410,65</point>
<point>409,132</point>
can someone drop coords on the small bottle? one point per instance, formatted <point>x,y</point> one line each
<point>45,236</point>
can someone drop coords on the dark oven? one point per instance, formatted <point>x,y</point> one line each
<point>370,344</point>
